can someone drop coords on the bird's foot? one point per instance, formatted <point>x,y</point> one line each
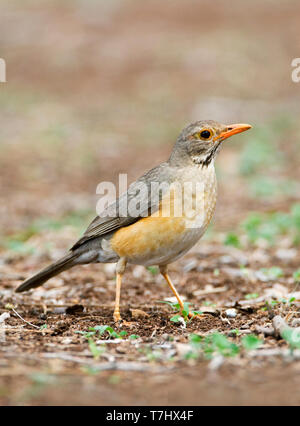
<point>192,315</point>
<point>117,316</point>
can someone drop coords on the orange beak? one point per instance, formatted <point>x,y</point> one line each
<point>233,129</point>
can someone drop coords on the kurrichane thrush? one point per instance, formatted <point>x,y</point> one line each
<point>176,202</point>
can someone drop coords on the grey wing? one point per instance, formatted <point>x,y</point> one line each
<point>131,206</point>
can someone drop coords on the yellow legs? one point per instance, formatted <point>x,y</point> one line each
<point>120,269</point>
<point>164,273</point>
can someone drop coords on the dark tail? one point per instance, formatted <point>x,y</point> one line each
<point>41,277</point>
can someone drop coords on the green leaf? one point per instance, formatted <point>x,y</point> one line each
<point>232,239</point>
<point>186,310</point>
<point>251,296</point>
<point>96,352</point>
<point>197,312</point>
<point>292,337</point>
<point>153,270</point>
<point>101,329</point>
<point>174,306</point>
<point>43,327</point>
<point>195,339</point>
<point>296,276</point>
<point>134,336</point>
<point>177,318</point>
<point>218,343</point>
<point>273,273</point>
<point>251,342</point>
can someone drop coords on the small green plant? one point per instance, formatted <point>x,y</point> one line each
<point>235,332</point>
<point>220,344</point>
<point>270,305</point>
<point>272,273</point>
<point>211,345</point>
<point>152,355</point>
<point>251,342</point>
<point>232,239</point>
<point>134,337</point>
<point>271,226</point>
<point>101,330</point>
<point>185,315</point>
<point>96,351</point>
<point>296,276</point>
<point>292,337</point>
<point>43,327</point>
<point>153,270</point>
<point>251,296</point>
<point>216,272</point>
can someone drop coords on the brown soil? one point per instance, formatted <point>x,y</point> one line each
<point>77,111</point>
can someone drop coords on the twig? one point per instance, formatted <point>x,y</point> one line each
<point>24,330</point>
<point>27,322</point>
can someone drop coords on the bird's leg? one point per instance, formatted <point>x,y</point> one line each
<point>164,273</point>
<point>120,269</point>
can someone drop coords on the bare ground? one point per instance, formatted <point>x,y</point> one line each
<point>78,111</point>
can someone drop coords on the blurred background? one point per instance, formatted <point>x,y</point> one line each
<point>101,87</point>
<point>97,88</point>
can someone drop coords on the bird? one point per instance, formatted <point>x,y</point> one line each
<point>175,207</point>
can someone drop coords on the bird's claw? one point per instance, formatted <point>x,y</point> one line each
<point>195,316</point>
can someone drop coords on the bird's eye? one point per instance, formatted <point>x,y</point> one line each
<point>205,134</point>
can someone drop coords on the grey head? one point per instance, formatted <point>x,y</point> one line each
<point>200,142</point>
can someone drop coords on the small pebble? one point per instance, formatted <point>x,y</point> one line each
<point>231,313</point>
<point>296,322</point>
<point>66,341</point>
<point>43,316</point>
<point>4,317</point>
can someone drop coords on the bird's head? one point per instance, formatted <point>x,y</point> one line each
<point>201,141</point>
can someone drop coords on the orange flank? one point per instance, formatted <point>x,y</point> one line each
<point>147,236</point>
<point>151,234</point>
